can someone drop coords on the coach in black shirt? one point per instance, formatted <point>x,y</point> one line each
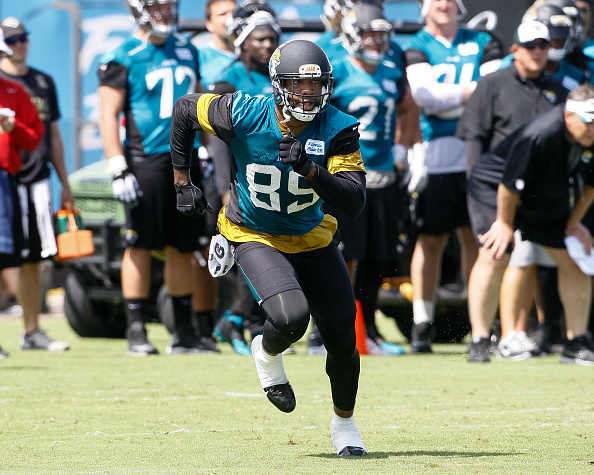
<point>509,97</point>
<point>503,101</point>
<point>532,180</point>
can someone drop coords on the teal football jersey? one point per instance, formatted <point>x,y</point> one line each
<point>270,197</point>
<point>457,64</point>
<point>253,83</point>
<point>372,100</point>
<point>155,77</point>
<point>213,62</point>
<point>568,74</point>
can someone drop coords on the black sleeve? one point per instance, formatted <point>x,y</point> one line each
<point>114,75</point>
<point>344,191</point>
<point>222,160</point>
<point>493,50</point>
<point>184,125</point>
<point>345,142</point>
<point>415,56</point>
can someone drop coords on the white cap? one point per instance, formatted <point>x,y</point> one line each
<point>530,31</point>
<point>585,109</point>
<point>3,46</point>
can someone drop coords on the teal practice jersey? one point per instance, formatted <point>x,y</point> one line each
<point>269,196</point>
<point>458,63</point>
<point>372,100</point>
<point>154,77</point>
<point>253,82</point>
<point>213,61</point>
<point>568,74</point>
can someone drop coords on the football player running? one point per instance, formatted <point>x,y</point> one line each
<point>292,152</point>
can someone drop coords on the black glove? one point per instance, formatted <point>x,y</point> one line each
<point>291,152</point>
<point>191,201</point>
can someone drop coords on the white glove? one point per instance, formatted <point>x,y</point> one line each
<point>220,256</point>
<point>399,153</point>
<point>125,186</point>
<point>416,176</point>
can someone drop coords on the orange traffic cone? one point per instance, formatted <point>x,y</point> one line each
<point>360,331</point>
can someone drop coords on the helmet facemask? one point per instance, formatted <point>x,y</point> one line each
<point>141,15</point>
<point>295,104</point>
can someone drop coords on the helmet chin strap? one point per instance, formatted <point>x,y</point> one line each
<point>286,114</point>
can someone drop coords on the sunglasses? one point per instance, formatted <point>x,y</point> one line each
<point>536,44</point>
<point>15,39</point>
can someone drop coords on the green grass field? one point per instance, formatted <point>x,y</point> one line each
<point>94,409</point>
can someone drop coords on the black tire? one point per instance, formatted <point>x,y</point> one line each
<point>88,318</point>
<point>451,321</point>
<point>165,309</point>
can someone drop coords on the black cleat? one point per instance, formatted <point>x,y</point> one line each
<point>282,396</point>
<point>137,341</point>
<point>422,337</point>
<point>479,351</point>
<point>355,451</point>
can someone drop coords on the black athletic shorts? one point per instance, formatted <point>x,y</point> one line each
<point>442,208</point>
<point>155,223</point>
<point>374,234</point>
<point>482,218</point>
<point>321,275</point>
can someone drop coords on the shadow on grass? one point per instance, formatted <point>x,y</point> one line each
<point>432,453</point>
<point>20,368</point>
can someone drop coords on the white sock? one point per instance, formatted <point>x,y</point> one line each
<point>344,433</point>
<point>423,311</point>
<point>270,368</point>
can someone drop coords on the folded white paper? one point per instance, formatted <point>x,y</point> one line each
<point>577,252</point>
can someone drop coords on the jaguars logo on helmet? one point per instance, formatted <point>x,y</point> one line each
<point>300,59</point>
<point>138,9</point>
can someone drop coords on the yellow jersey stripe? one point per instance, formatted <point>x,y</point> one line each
<point>202,112</point>
<point>353,162</point>
<point>318,238</point>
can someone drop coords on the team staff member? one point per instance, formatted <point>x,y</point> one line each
<point>501,103</point>
<point>291,151</point>
<point>34,185</point>
<point>21,129</point>
<point>532,180</point>
<point>142,78</point>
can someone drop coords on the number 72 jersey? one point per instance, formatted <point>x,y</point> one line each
<point>154,77</point>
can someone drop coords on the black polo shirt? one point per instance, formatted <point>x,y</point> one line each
<point>501,103</point>
<point>538,162</point>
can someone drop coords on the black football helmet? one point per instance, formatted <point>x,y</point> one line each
<point>570,9</point>
<point>300,59</point>
<point>358,21</point>
<point>143,17</point>
<point>559,25</point>
<point>248,15</point>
